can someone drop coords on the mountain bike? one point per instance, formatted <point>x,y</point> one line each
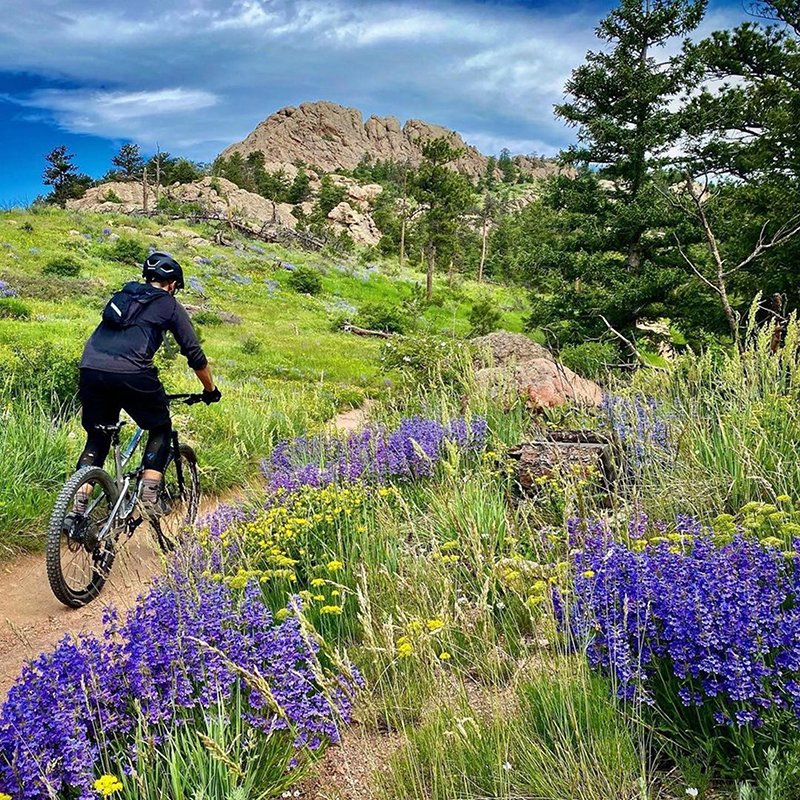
<point>81,548</point>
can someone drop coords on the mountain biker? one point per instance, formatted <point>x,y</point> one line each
<point>117,372</point>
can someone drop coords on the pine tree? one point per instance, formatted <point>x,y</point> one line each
<point>614,248</point>
<point>446,194</point>
<point>129,161</point>
<point>63,176</point>
<point>620,102</point>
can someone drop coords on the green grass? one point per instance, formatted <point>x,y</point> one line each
<point>557,735</point>
<point>280,362</point>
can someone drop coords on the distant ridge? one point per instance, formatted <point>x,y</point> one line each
<point>331,137</point>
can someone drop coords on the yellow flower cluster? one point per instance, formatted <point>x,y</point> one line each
<point>107,785</point>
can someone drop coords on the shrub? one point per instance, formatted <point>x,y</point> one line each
<point>251,346</point>
<point>383,317</point>
<point>127,251</point>
<point>426,359</point>
<point>306,280</point>
<point>66,266</point>
<point>205,317</point>
<point>484,317</point>
<point>14,308</point>
<point>112,197</point>
<point>590,359</point>
<point>43,372</point>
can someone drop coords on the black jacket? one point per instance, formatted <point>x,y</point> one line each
<point>131,349</point>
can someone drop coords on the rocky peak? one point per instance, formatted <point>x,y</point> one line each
<point>331,137</point>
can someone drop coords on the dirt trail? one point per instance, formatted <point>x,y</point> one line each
<point>32,620</point>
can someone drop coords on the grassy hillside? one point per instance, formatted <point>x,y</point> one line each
<point>281,363</point>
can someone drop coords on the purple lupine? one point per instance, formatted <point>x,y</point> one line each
<point>646,429</point>
<point>374,454</point>
<point>195,285</point>
<point>6,290</point>
<point>185,647</point>
<point>722,622</point>
<point>242,280</point>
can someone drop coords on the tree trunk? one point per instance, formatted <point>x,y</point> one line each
<point>450,273</point>
<point>431,266</point>
<point>144,190</point>
<point>403,236</point>
<point>483,249</point>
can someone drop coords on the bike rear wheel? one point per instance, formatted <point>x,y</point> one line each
<point>77,564</point>
<point>183,505</point>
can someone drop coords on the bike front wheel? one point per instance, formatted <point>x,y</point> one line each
<point>78,563</point>
<point>181,491</point>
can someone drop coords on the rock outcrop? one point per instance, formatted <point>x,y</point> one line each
<point>521,366</point>
<point>330,136</point>
<point>217,195</point>
<point>360,226</point>
<point>117,196</point>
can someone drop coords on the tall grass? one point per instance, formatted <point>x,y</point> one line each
<point>738,417</point>
<point>557,735</point>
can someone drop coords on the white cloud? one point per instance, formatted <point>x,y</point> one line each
<point>495,69</point>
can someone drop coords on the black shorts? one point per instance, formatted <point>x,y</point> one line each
<point>104,394</point>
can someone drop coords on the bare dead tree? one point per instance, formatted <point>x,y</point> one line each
<point>144,189</point>
<point>718,280</point>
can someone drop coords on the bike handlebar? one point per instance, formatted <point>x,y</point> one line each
<point>187,399</point>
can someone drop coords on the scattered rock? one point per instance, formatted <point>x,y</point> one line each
<point>360,226</point>
<point>567,452</point>
<point>357,194</point>
<point>130,195</point>
<point>544,382</point>
<point>503,348</point>
<point>521,366</point>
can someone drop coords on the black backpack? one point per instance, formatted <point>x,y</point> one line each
<point>126,304</point>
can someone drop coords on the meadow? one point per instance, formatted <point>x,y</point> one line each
<point>283,364</point>
<point>395,583</point>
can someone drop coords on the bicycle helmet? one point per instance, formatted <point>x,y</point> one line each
<point>162,267</point>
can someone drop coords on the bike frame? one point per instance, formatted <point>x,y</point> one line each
<point>124,479</point>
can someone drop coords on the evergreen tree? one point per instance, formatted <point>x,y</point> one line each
<point>300,189</point>
<point>181,170</point>
<point>61,173</point>
<point>507,166</point>
<point>615,252</point>
<point>446,194</point>
<point>129,162</point>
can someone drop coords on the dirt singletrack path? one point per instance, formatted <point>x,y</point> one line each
<point>32,620</point>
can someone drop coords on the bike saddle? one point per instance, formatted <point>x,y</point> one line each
<point>111,428</point>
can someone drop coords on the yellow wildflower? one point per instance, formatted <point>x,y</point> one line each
<point>783,498</point>
<point>318,582</point>
<point>107,785</point>
<point>5,796</point>
<point>330,610</point>
<point>281,614</point>
<point>444,655</point>
<point>434,625</point>
<point>334,566</point>
<point>414,627</point>
<point>404,647</point>
<point>589,573</point>
<point>319,597</point>
<point>772,541</point>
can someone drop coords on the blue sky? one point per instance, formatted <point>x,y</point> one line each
<point>193,76</point>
